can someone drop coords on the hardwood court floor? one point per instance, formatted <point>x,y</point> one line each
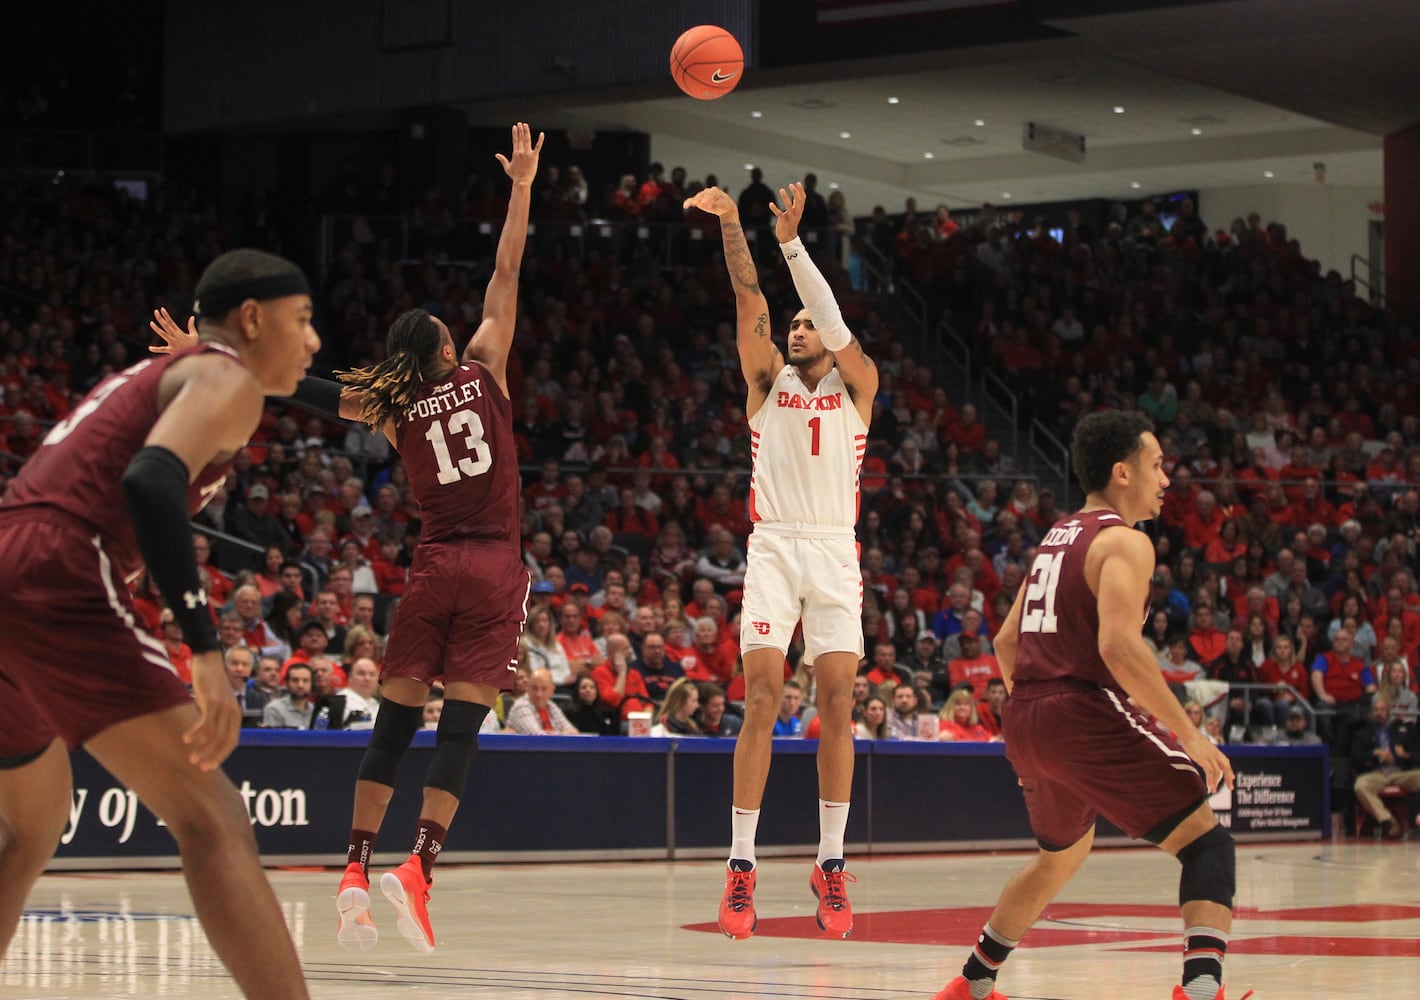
<point>1314,921</point>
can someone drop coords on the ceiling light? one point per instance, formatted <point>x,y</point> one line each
<point>833,185</point>
<point>893,100</point>
<point>1135,185</point>
<point>929,156</point>
<point>1006,195</point>
<point>749,166</point>
<point>756,114</point>
<point>980,122</point>
<point>1196,131</point>
<point>1119,109</point>
<point>1268,174</point>
<point>845,135</point>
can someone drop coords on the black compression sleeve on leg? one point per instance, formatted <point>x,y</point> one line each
<point>395,726</point>
<point>155,486</point>
<point>318,394</point>
<point>455,745</point>
<point>1209,869</point>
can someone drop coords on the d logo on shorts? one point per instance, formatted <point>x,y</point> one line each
<point>761,627</point>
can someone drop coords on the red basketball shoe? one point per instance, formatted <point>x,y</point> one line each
<point>835,915</point>
<point>1178,994</point>
<point>737,917</point>
<point>357,928</point>
<point>958,989</point>
<point>408,890</point>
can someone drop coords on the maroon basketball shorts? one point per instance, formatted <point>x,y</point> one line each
<point>461,614</point>
<point>74,659</point>
<point>1082,752</point>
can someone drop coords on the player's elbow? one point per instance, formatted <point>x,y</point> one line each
<point>1115,647</point>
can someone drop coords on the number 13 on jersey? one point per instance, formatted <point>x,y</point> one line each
<point>479,458</point>
<point>1038,612</point>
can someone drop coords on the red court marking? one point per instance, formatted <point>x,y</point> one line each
<point>959,927</point>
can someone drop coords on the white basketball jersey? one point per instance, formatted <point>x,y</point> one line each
<point>808,452</point>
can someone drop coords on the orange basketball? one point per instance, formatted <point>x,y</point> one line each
<point>707,62</point>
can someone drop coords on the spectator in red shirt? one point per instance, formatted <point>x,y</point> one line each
<point>631,518</point>
<point>967,431</point>
<point>1206,642</point>
<point>1395,609</point>
<point>576,641</point>
<point>1311,507</point>
<point>620,688</point>
<point>959,721</point>
<point>973,667</point>
<point>1296,472</point>
<point>1203,523</point>
<point>715,659</point>
<point>547,491</point>
<point>1341,680</point>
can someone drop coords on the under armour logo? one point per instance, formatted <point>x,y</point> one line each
<point>761,627</point>
<point>791,255</point>
<point>193,600</point>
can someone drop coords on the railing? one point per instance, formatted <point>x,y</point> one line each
<point>1049,449</point>
<point>82,150</point>
<point>310,576</point>
<point>470,242</point>
<point>1372,280</point>
<point>1250,688</point>
<point>998,395</point>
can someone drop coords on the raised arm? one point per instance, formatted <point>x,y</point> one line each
<point>1122,561</point>
<point>859,373</point>
<point>493,339</point>
<point>760,360</point>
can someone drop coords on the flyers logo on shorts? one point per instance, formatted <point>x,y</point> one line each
<point>761,627</point>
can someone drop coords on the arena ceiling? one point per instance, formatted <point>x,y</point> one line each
<point>1218,94</point>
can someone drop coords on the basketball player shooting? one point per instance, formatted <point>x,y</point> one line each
<point>808,419</point>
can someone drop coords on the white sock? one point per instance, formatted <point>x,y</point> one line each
<point>832,822</point>
<point>743,824</point>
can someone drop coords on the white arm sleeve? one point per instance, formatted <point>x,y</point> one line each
<point>816,295</point>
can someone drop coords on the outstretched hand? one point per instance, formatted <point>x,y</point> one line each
<point>787,225</point>
<point>175,338</point>
<point>522,168</point>
<point>714,200</point>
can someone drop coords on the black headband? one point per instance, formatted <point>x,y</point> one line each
<point>219,301</point>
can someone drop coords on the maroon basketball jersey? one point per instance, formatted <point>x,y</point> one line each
<point>78,468</point>
<point>1060,622</point>
<point>456,440</point>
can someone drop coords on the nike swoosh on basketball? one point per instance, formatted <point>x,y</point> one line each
<point>718,77</point>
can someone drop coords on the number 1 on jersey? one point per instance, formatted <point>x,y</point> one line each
<point>1038,612</point>
<point>814,424</point>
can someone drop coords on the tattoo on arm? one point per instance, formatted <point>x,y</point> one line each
<point>738,258</point>
<point>862,354</point>
<point>761,325</point>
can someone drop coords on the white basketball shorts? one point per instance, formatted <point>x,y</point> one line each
<point>792,578</point>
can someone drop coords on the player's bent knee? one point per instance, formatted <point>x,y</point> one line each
<point>395,727</point>
<point>1209,869</point>
<point>455,745</point>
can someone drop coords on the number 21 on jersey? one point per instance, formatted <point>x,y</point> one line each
<point>479,458</point>
<point>1038,612</point>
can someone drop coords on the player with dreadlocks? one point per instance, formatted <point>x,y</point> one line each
<point>463,609</point>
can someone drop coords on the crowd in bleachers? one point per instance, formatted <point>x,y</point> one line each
<point>1285,594</point>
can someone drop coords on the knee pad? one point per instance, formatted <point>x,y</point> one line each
<point>395,726</point>
<point>1209,869</point>
<point>454,746</point>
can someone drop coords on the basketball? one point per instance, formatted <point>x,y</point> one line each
<point>707,62</point>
